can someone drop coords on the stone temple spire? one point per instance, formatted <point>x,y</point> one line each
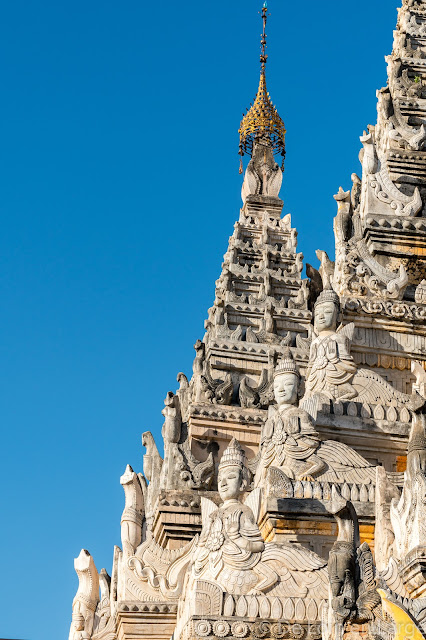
<point>262,131</point>
<point>261,305</point>
<point>380,227</point>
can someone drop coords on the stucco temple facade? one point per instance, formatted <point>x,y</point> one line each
<point>291,499</point>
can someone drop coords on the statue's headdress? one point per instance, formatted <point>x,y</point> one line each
<point>328,295</point>
<point>233,456</point>
<point>287,365</point>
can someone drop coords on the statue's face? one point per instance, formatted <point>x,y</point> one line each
<point>325,316</point>
<point>285,388</point>
<point>229,482</point>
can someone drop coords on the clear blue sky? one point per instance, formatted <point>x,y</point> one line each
<point>119,189</point>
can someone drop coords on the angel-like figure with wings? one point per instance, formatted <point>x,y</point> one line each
<point>331,366</point>
<point>332,371</point>
<point>231,551</point>
<point>291,445</point>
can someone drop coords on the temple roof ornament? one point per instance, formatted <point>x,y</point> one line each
<point>262,119</point>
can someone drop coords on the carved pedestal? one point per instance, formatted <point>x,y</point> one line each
<point>215,424</point>
<point>307,522</point>
<point>148,621</point>
<point>214,627</point>
<point>178,517</point>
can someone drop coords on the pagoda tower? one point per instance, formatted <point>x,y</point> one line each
<point>290,502</point>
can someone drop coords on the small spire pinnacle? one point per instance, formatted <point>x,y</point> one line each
<point>263,45</point>
<point>262,119</point>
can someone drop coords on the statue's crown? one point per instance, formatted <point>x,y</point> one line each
<point>286,365</point>
<point>328,295</point>
<point>233,456</point>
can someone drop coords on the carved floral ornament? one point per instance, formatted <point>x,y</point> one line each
<point>386,308</point>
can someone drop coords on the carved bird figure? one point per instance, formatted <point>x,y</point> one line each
<point>326,269</point>
<point>152,461</point>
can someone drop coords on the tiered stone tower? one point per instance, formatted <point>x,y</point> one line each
<point>286,505</point>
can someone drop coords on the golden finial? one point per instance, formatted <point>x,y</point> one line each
<point>262,119</point>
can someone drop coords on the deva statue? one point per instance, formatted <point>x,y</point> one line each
<point>332,372</point>
<point>331,366</point>
<point>231,551</point>
<point>231,544</point>
<point>291,445</point>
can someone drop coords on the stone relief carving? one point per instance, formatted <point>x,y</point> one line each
<point>331,367</point>
<point>266,333</point>
<point>392,130</point>
<point>384,537</point>
<point>353,594</point>
<point>231,551</point>
<point>86,598</point>
<point>332,372</point>
<point>395,310</point>
<point>407,22</point>
<point>291,447</point>
<point>403,46</point>
<point>104,628</point>
<point>379,194</point>
<point>420,293</point>
<point>152,465</point>
<point>180,469</point>
<point>420,374</point>
<point>157,573</point>
<point>133,514</point>
<point>356,271</point>
<point>301,299</point>
<point>399,81</point>
<point>262,395</point>
<point>205,388</point>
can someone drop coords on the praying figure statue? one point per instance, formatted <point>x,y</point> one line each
<point>231,545</point>
<point>331,366</point>
<point>332,372</point>
<point>291,445</point>
<point>231,551</point>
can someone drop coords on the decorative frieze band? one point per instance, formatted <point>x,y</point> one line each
<point>398,310</point>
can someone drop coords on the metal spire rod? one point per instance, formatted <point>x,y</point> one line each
<point>262,119</point>
<point>263,45</point>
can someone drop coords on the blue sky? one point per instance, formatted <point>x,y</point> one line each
<point>119,190</point>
